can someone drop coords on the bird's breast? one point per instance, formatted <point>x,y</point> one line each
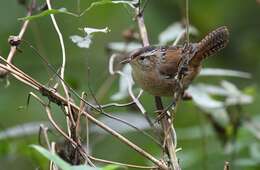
<point>154,83</point>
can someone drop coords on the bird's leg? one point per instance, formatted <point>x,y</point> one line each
<point>164,111</point>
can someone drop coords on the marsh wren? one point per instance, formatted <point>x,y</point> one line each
<point>155,67</point>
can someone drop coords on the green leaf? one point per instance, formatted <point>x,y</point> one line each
<point>65,11</point>
<point>250,90</point>
<point>104,2</point>
<point>59,162</point>
<point>48,12</point>
<point>52,157</point>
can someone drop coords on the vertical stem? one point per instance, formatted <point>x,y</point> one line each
<point>142,27</point>
<point>70,119</point>
<point>168,135</point>
<point>187,21</point>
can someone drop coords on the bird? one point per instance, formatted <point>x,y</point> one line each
<point>156,68</point>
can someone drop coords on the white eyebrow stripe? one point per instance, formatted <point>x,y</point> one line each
<point>149,53</point>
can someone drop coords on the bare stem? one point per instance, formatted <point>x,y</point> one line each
<point>187,21</point>
<point>142,27</point>
<point>62,70</point>
<point>168,135</point>
<point>70,121</point>
<point>13,49</point>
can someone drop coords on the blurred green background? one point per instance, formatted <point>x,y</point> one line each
<point>202,152</point>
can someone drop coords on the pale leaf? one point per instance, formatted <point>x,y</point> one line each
<point>223,72</point>
<point>173,31</point>
<point>124,47</point>
<point>21,130</point>
<point>82,42</point>
<point>85,41</point>
<point>124,82</point>
<point>135,119</point>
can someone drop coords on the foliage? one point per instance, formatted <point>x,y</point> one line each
<point>64,165</point>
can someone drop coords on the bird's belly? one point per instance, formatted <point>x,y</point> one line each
<point>158,85</point>
<point>154,84</point>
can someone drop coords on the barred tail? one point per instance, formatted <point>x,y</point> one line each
<point>211,44</point>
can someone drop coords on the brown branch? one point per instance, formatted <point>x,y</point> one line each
<point>142,28</point>
<point>13,49</point>
<point>168,135</point>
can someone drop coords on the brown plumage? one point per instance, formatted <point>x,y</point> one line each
<point>155,68</point>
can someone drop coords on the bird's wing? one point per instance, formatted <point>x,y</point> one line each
<point>169,61</point>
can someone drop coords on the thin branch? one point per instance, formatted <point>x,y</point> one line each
<point>61,40</point>
<point>13,49</point>
<point>49,114</point>
<point>20,76</point>
<point>114,104</point>
<point>118,119</point>
<point>187,21</point>
<point>141,25</point>
<point>62,69</point>
<point>55,125</point>
<point>51,67</point>
<point>53,166</point>
<point>180,36</point>
<point>168,135</point>
<point>44,130</point>
<point>121,164</point>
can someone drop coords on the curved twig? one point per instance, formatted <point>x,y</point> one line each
<point>121,164</point>
<point>62,69</point>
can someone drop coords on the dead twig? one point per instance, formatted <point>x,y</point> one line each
<point>71,122</point>
<point>13,49</point>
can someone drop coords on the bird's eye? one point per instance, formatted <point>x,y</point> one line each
<point>144,60</point>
